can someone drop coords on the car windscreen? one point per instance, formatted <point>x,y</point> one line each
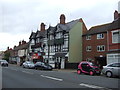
<point>92,64</point>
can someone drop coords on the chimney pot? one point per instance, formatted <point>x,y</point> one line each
<point>116,15</point>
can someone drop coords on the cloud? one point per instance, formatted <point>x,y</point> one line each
<point>19,17</point>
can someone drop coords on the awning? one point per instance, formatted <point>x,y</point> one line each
<point>60,54</point>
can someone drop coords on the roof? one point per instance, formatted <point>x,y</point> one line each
<point>115,24</point>
<point>98,29</point>
<point>62,27</point>
<point>32,35</point>
<point>41,33</point>
<point>23,46</point>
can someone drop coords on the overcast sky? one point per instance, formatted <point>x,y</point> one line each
<point>18,18</point>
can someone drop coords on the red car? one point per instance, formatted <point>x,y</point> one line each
<point>88,68</point>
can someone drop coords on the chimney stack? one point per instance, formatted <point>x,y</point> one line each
<point>42,27</point>
<point>7,48</point>
<point>62,19</point>
<point>23,42</point>
<point>19,43</point>
<point>116,15</point>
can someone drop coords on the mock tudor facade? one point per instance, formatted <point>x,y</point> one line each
<point>65,43</point>
<point>37,50</point>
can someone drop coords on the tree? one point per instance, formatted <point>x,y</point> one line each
<point>6,55</point>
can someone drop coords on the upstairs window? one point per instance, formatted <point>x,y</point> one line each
<point>88,48</point>
<point>101,48</point>
<point>88,37</point>
<point>100,36</point>
<point>116,36</point>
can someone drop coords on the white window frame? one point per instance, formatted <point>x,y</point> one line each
<point>88,48</point>
<point>100,46</point>
<point>100,36</point>
<point>116,39</point>
<point>88,37</point>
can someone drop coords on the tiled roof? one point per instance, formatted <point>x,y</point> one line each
<point>41,33</point>
<point>115,24</point>
<point>32,35</point>
<point>24,46</point>
<point>98,29</point>
<point>62,27</point>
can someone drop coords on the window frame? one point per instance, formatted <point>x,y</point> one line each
<point>100,36</point>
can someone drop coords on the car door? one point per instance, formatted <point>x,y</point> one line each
<point>116,69</point>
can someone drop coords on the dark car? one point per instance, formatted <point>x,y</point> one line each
<point>42,66</point>
<point>88,68</point>
<point>4,63</point>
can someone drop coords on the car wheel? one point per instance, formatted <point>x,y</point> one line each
<point>91,73</point>
<point>109,74</point>
<point>79,71</point>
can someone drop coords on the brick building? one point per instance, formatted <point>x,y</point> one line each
<point>95,44</point>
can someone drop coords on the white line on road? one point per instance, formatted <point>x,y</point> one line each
<point>51,78</point>
<point>27,72</point>
<point>93,86</point>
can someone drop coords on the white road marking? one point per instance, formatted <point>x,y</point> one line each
<point>27,72</point>
<point>51,78</point>
<point>93,86</point>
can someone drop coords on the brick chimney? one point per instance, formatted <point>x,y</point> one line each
<point>42,27</point>
<point>7,48</point>
<point>19,43</point>
<point>62,19</point>
<point>23,42</point>
<point>116,15</point>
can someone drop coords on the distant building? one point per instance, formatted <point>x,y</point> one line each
<point>19,53</point>
<point>37,50</point>
<point>1,54</point>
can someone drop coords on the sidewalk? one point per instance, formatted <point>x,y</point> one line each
<point>65,70</point>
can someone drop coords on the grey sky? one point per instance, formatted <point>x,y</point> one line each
<point>18,18</point>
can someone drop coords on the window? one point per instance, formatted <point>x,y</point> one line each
<point>51,37</point>
<point>88,48</point>
<point>101,48</point>
<point>100,36</point>
<point>88,37</point>
<point>116,36</point>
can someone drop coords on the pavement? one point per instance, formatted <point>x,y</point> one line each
<point>65,70</point>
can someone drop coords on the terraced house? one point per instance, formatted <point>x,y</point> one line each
<point>65,43</point>
<point>37,50</point>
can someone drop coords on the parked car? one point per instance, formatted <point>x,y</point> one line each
<point>111,70</point>
<point>28,64</point>
<point>43,66</point>
<point>88,68</point>
<point>4,63</point>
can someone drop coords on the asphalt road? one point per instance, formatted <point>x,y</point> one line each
<point>18,77</point>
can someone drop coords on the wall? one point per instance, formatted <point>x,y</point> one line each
<point>75,44</point>
<point>93,43</point>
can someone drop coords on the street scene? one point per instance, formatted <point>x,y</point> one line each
<point>54,44</point>
<point>18,77</point>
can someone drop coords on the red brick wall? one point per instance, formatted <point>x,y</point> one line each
<point>93,43</point>
<point>112,45</point>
